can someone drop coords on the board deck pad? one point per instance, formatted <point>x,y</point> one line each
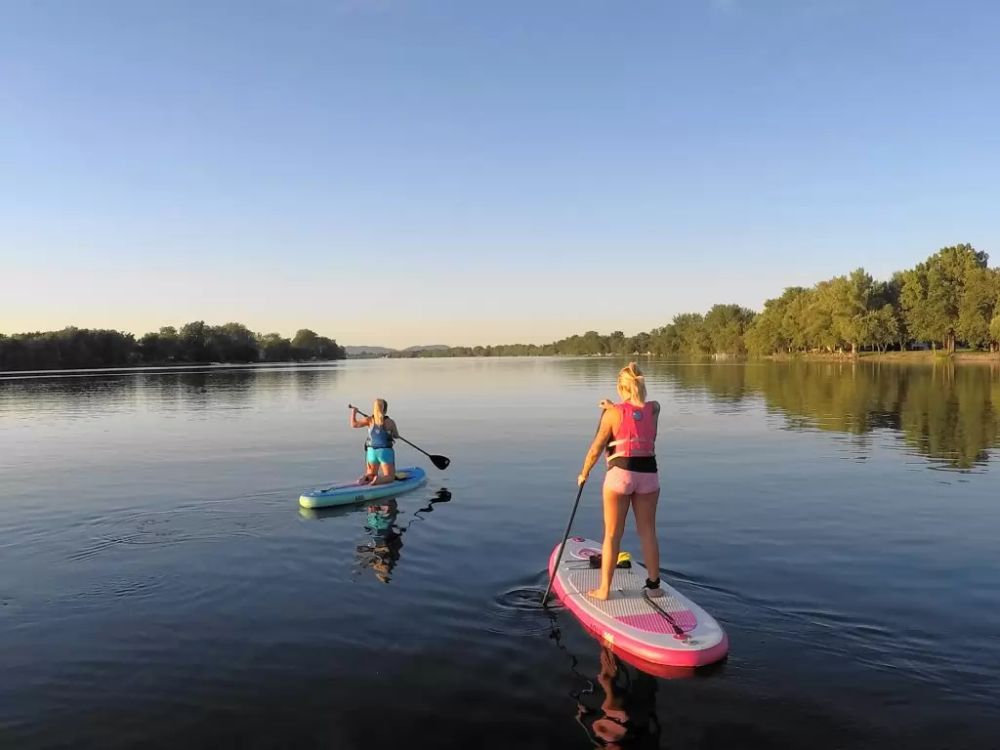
<point>669,630</point>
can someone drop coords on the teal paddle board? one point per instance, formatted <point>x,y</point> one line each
<point>348,493</point>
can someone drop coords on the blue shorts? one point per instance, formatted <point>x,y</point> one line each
<point>380,455</point>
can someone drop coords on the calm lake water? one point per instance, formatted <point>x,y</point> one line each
<point>159,586</point>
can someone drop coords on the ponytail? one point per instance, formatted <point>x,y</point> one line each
<point>379,410</point>
<point>632,383</point>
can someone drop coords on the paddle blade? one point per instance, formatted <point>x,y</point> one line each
<point>440,461</point>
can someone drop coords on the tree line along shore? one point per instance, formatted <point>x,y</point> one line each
<point>948,302</point>
<point>194,343</point>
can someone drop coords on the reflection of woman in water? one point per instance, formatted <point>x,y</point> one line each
<point>386,538</point>
<point>382,552</point>
<point>626,717</point>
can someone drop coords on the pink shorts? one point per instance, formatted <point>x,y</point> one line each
<point>625,482</point>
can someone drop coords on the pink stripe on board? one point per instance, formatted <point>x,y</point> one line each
<point>656,623</point>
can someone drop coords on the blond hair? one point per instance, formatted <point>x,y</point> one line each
<point>632,383</point>
<point>379,409</point>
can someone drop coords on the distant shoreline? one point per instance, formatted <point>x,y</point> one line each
<point>896,357</point>
<point>908,357</point>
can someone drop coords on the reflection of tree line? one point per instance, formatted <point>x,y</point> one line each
<point>187,389</point>
<point>946,413</point>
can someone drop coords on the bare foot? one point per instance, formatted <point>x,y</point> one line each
<point>599,594</point>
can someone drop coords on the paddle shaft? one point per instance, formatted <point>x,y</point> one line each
<point>555,568</point>
<point>417,447</point>
<point>576,504</point>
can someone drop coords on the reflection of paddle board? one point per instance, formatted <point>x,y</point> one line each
<point>663,671</point>
<point>352,492</point>
<point>670,630</point>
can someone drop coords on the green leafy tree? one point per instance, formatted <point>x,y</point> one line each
<point>193,342</point>
<point>169,343</point>
<point>780,327</point>
<point>934,295</point>
<point>664,341</point>
<point>617,343</point>
<point>274,348</point>
<point>641,343</point>
<point>69,348</point>
<point>305,339</point>
<point>838,316</point>
<point>764,336</point>
<point>232,342</point>
<point>882,327</point>
<point>819,326</point>
<point>308,344</point>
<point>196,342</point>
<point>892,295</point>
<point>794,322</point>
<point>691,333</point>
<point>995,333</point>
<point>854,304</point>
<point>593,343</point>
<point>725,327</point>
<point>976,307</point>
<point>152,348</point>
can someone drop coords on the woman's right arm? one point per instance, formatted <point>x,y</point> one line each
<point>604,433</point>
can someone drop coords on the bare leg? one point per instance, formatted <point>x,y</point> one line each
<point>387,475</point>
<point>615,513</point>
<point>644,506</point>
<point>370,471</point>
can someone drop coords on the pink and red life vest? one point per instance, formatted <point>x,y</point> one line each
<point>636,435</point>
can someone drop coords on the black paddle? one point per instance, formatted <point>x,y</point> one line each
<point>555,569</point>
<point>576,503</point>
<point>439,461</point>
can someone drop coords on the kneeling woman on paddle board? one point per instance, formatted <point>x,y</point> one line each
<point>628,433</point>
<point>378,448</point>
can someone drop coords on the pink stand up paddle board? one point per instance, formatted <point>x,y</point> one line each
<point>670,630</point>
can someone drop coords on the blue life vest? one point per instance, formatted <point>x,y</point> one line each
<point>379,437</point>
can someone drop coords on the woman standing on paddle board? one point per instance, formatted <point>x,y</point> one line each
<point>628,433</point>
<point>378,448</point>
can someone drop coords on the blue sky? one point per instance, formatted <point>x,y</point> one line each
<point>400,172</point>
